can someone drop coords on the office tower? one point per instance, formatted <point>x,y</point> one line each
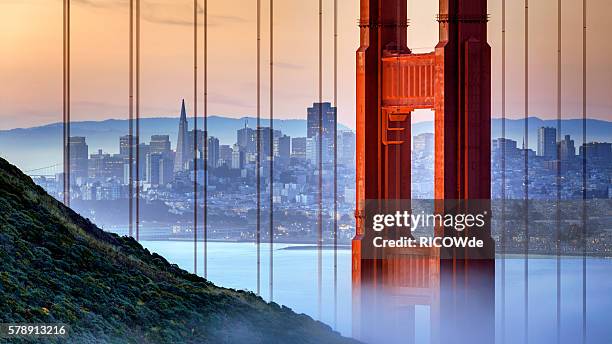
<point>143,151</point>
<point>547,142</point>
<point>327,114</point>
<point>124,151</point>
<point>346,148</point>
<point>298,147</point>
<point>96,165</point>
<point>142,165</point>
<point>182,149</point>
<point>213,152</point>
<point>153,163</point>
<point>504,145</point>
<point>126,173</point>
<point>166,170</point>
<point>160,144</point>
<point>282,147</point>
<point>124,145</point>
<point>225,155</point>
<point>328,119</point>
<point>190,148</point>
<point>264,136</point>
<point>246,138</point>
<point>500,143</point>
<point>103,166</point>
<point>597,151</point>
<point>79,152</point>
<point>423,145</point>
<point>312,150</point>
<point>159,169</point>
<point>567,149</point>
<point>238,157</point>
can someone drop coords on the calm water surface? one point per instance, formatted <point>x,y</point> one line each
<point>234,265</point>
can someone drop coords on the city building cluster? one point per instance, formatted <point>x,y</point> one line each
<point>166,175</point>
<point>167,169</point>
<point>557,164</point>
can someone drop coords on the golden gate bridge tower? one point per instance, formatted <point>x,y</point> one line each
<point>455,82</point>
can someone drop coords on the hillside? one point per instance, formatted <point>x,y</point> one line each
<point>57,267</point>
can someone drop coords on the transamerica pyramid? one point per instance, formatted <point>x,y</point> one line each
<point>182,155</point>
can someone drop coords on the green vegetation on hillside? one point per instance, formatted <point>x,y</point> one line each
<point>57,267</point>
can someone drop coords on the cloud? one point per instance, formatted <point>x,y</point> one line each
<point>167,12</point>
<point>287,65</point>
<point>222,99</point>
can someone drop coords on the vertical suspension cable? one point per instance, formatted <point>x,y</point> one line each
<point>526,171</point>
<point>335,229</point>
<point>271,141</point>
<point>68,102</point>
<point>320,168</point>
<point>503,177</point>
<point>66,105</point>
<point>558,181</point>
<point>64,101</point>
<point>195,137</point>
<point>137,120</point>
<point>258,162</point>
<point>131,126</point>
<point>66,157</point>
<point>205,252</point>
<point>584,169</point>
<point>137,129</point>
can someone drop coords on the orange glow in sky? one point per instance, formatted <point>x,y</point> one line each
<point>31,58</point>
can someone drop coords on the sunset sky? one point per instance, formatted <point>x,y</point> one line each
<point>31,57</point>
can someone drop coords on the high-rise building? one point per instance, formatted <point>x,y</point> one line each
<point>105,166</point>
<point>238,157</point>
<point>200,134</point>
<point>328,119</point>
<point>225,155</point>
<point>282,147</point>
<point>312,150</point>
<point>159,169</point>
<point>423,145</point>
<point>182,149</point>
<point>264,136</point>
<point>79,152</point>
<point>597,151</point>
<point>166,170</point>
<point>160,144</point>
<point>124,145</point>
<point>505,146</point>
<point>298,147</point>
<point>153,161</point>
<point>346,148</point>
<point>325,113</point>
<point>567,149</point>
<point>547,142</point>
<point>141,155</point>
<point>213,152</point>
<point>143,151</point>
<point>246,138</point>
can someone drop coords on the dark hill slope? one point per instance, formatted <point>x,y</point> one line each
<point>56,266</point>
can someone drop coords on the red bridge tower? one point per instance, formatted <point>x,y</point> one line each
<point>454,81</point>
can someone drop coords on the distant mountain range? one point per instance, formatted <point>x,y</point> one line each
<point>36,147</point>
<point>41,146</point>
